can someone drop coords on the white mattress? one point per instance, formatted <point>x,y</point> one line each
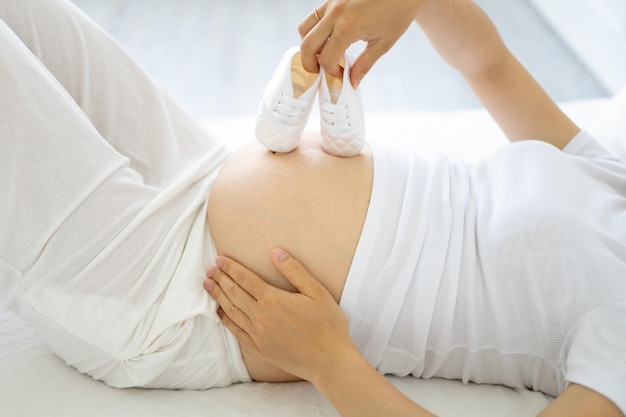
<point>34,382</point>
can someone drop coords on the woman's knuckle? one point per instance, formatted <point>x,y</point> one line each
<point>324,62</point>
<point>231,311</point>
<point>343,29</point>
<point>337,8</point>
<point>306,47</point>
<point>294,268</point>
<point>269,301</point>
<point>302,29</point>
<point>263,323</point>
<point>240,278</point>
<point>231,292</point>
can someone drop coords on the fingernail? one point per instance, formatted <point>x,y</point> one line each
<point>220,313</point>
<point>279,254</point>
<point>210,273</point>
<point>209,285</point>
<point>219,262</point>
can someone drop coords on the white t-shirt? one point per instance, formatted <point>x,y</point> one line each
<point>511,272</point>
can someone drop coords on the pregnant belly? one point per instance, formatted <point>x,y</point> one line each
<point>308,202</point>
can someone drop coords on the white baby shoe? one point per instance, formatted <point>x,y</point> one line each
<point>286,104</point>
<point>341,111</point>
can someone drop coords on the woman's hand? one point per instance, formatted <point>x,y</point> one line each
<point>304,333</point>
<point>297,332</point>
<point>380,23</point>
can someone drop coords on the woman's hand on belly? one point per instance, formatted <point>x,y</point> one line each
<point>306,334</point>
<point>278,329</point>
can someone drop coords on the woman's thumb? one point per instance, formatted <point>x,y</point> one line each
<point>294,272</point>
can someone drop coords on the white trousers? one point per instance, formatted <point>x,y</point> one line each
<point>103,187</point>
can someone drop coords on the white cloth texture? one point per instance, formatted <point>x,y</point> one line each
<point>511,271</point>
<point>104,241</point>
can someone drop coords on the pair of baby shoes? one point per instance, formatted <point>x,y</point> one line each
<point>287,103</point>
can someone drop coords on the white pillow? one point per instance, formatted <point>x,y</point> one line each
<point>610,127</point>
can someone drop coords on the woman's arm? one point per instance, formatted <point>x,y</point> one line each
<point>579,401</point>
<point>462,34</point>
<point>306,334</point>
<point>467,39</point>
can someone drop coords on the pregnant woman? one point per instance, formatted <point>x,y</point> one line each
<point>115,203</point>
<point>511,272</point>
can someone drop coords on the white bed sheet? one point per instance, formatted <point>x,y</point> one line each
<point>34,382</point>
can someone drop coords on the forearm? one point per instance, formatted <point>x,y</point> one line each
<point>520,106</point>
<point>467,39</point>
<point>356,389</point>
<point>306,334</point>
<point>578,401</point>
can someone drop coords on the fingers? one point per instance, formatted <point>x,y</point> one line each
<point>312,45</point>
<point>241,335</point>
<point>332,54</point>
<point>314,34</point>
<point>309,22</point>
<point>366,60</point>
<point>296,274</point>
<point>324,42</point>
<point>233,301</point>
<point>243,277</point>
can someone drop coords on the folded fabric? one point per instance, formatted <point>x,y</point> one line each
<point>610,127</point>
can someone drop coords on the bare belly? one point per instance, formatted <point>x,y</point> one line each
<point>307,202</point>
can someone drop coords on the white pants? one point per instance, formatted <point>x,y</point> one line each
<point>103,187</point>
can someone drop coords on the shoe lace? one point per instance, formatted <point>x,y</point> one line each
<point>337,115</point>
<point>288,109</point>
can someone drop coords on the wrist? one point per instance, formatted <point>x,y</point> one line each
<point>337,365</point>
<point>356,389</point>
